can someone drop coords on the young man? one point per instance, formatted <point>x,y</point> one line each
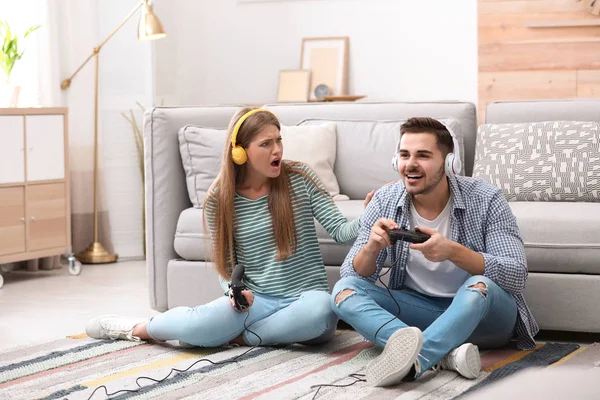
<point>460,289</point>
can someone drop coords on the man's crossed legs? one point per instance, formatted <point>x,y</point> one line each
<point>481,313</point>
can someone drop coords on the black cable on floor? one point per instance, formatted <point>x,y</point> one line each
<point>357,377</point>
<point>234,359</point>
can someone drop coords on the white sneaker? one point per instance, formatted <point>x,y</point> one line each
<point>464,359</point>
<point>113,327</point>
<point>397,359</point>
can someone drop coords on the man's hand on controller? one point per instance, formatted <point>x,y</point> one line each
<point>380,238</point>
<point>437,248</point>
<point>249,298</point>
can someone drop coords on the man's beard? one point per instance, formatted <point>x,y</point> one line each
<point>437,178</point>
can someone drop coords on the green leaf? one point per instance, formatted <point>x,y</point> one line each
<point>9,46</point>
<point>32,29</point>
<point>8,51</point>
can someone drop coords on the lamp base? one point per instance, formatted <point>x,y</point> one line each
<point>96,254</point>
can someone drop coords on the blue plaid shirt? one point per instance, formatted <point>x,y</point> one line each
<point>481,220</point>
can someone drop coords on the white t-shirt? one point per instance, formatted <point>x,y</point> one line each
<point>438,279</point>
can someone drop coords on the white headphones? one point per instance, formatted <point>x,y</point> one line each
<point>452,164</point>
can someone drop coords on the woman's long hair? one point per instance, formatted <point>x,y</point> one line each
<point>222,194</point>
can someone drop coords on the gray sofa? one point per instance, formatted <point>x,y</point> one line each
<point>562,239</point>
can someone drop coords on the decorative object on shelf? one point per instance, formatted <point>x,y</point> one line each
<point>293,86</point>
<point>321,91</point>
<point>348,97</point>
<point>149,28</point>
<point>327,59</point>
<point>9,55</point>
<point>593,6</point>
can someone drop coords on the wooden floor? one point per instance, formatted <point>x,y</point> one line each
<point>47,305</point>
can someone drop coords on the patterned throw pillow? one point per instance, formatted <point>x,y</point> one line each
<point>541,161</point>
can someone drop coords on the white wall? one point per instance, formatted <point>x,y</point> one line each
<point>126,73</point>
<point>229,52</point>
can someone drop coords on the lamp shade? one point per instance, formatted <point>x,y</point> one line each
<point>150,27</point>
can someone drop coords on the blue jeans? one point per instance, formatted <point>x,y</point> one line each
<point>304,319</point>
<point>486,320</point>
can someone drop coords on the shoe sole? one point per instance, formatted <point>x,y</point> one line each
<point>472,366</point>
<point>398,355</point>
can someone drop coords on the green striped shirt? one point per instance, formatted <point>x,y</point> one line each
<point>255,246</point>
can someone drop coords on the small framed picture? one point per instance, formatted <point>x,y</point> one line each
<point>327,59</point>
<point>293,86</point>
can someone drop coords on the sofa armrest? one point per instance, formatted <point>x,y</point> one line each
<point>166,197</point>
<point>166,192</point>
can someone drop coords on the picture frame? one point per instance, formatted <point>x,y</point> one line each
<point>327,59</point>
<point>293,86</point>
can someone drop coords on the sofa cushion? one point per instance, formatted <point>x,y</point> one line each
<point>541,161</point>
<point>315,146</point>
<point>560,237</point>
<point>191,242</point>
<point>365,149</point>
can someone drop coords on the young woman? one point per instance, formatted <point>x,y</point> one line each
<point>260,211</point>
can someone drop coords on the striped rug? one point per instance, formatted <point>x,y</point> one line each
<point>72,368</point>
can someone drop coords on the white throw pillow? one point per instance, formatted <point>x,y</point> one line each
<point>201,150</point>
<point>314,145</point>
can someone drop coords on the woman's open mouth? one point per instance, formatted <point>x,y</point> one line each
<point>276,163</point>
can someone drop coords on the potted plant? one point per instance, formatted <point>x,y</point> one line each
<point>9,55</point>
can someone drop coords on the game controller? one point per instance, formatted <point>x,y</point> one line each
<point>237,286</point>
<point>415,236</point>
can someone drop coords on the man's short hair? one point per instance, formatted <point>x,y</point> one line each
<point>433,126</point>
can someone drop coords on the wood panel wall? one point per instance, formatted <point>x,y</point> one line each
<point>517,62</point>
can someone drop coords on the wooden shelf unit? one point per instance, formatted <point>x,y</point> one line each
<point>35,206</point>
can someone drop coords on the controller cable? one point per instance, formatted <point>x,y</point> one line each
<point>360,377</point>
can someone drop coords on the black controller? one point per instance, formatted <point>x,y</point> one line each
<point>415,236</point>
<point>237,285</point>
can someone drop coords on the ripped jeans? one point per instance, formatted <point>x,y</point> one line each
<point>485,317</point>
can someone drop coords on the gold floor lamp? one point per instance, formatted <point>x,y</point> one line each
<point>149,28</point>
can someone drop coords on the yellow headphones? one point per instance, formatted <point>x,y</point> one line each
<point>238,154</point>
